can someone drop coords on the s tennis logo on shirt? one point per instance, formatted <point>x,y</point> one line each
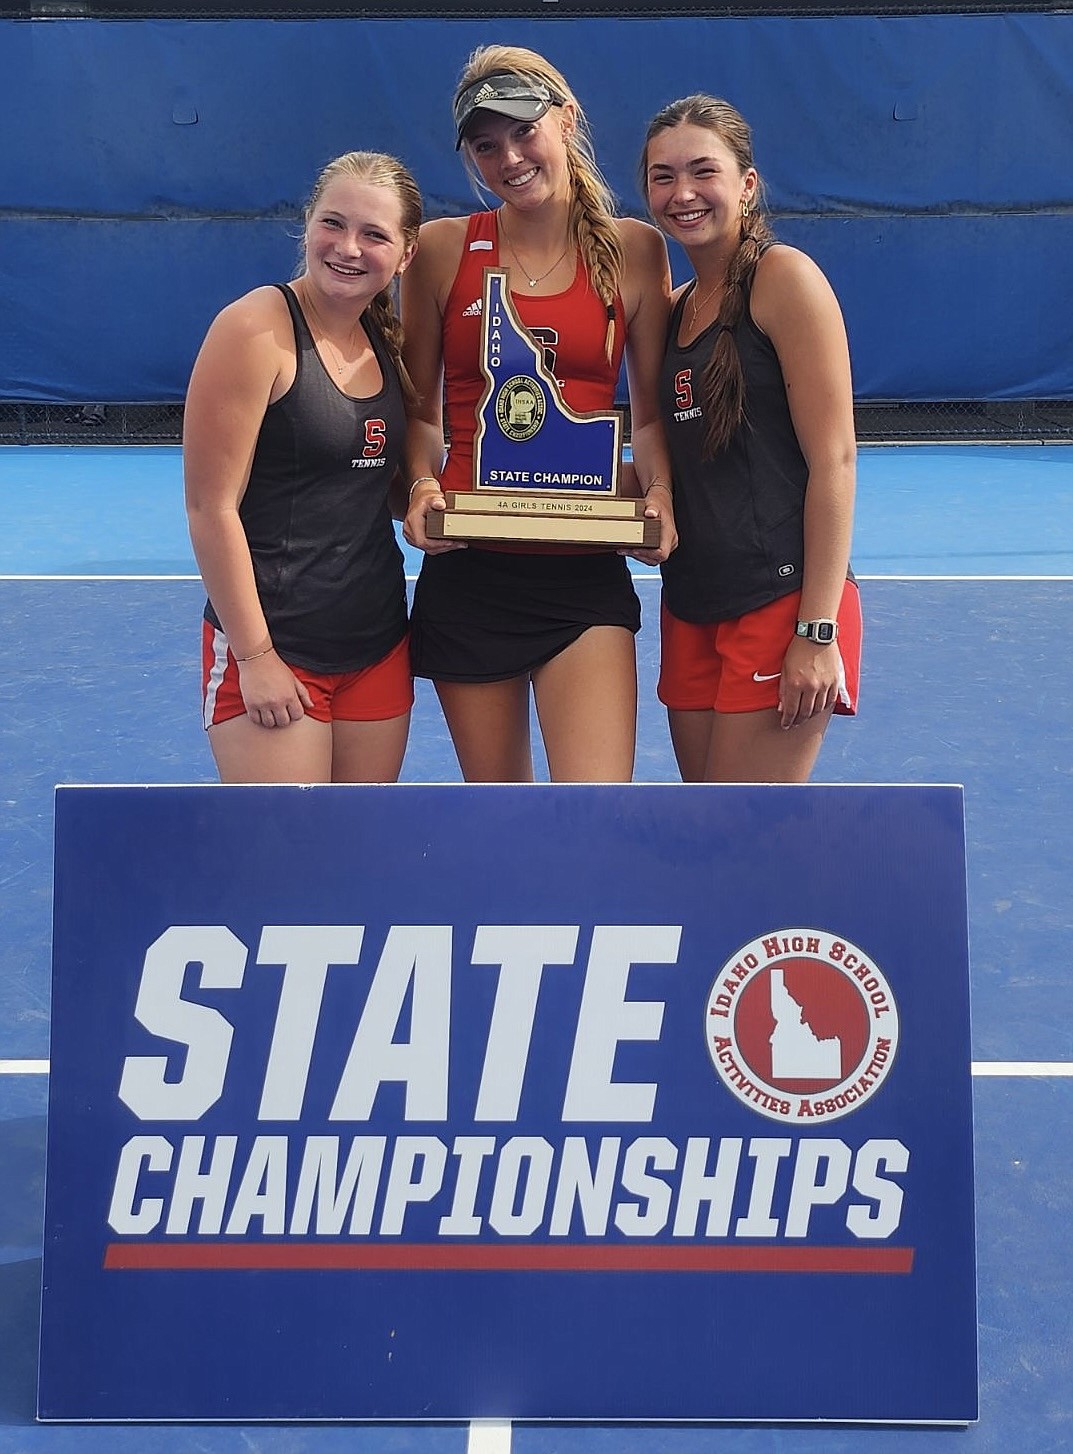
<point>683,396</point>
<point>375,443</point>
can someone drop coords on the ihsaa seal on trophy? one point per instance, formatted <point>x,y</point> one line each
<point>520,408</point>
<point>542,473</point>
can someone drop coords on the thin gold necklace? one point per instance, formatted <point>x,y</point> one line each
<point>335,353</point>
<point>340,366</point>
<point>696,307</point>
<point>524,270</point>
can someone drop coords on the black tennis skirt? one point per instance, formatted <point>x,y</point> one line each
<point>489,615</point>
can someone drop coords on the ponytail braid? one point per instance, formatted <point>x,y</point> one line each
<point>388,324</point>
<point>592,222</point>
<point>723,387</point>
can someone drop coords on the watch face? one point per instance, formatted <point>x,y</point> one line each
<point>825,631</point>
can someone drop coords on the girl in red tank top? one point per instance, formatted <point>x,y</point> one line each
<point>489,625</point>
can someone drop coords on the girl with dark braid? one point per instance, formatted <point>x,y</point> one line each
<point>760,617</point>
<point>490,624</point>
<point>294,428</point>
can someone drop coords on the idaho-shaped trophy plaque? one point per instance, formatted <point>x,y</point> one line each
<point>542,473</point>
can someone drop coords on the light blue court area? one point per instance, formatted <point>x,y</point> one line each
<point>964,509</point>
<point>93,511</point>
<point>921,510</point>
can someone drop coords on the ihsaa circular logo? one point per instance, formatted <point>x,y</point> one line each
<point>801,1025</point>
<point>520,408</point>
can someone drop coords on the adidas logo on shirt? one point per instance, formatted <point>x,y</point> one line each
<point>474,309</point>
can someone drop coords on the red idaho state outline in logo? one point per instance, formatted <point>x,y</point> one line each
<point>801,1025</point>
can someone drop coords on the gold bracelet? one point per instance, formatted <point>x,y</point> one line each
<point>256,654</point>
<point>423,480</point>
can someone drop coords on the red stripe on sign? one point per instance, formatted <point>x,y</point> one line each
<point>454,1257</point>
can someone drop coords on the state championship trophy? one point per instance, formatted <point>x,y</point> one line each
<point>542,473</point>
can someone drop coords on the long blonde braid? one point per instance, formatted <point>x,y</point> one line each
<point>592,221</point>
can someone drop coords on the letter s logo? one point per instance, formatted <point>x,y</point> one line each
<point>683,389</point>
<point>375,431</point>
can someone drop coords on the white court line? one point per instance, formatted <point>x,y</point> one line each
<point>1052,577</point>
<point>99,578</point>
<point>1022,1067</point>
<point>489,1436</point>
<point>645,573</point>
<point>994,1068</point>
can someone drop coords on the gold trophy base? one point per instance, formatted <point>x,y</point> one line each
<point>515,518</point>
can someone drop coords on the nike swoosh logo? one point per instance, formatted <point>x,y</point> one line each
<point>758,678</point>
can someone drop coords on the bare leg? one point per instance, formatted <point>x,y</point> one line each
<point>586,701</point>
<point>369,752</point>
<point>248,753</point>
<point>752,747</point>
<point>489,726</point>
<point>691,738</point>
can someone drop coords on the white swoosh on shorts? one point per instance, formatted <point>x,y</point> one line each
<point>758,678</point>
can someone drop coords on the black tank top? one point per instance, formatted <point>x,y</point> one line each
<point>328,568</point>
<point>739,515</point>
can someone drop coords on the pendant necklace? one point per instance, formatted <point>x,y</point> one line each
<point>695,307</point>
<point>335,355</point>
<point>339,367</point>
<point>524,271</point>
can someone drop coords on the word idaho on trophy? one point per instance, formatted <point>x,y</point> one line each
<point>542,473</point>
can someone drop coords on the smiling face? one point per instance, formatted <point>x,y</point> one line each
<point>355,243</point>
<point>522,162</point>
<point>696,186</point>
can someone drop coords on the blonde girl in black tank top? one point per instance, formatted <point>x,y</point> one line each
<point>294,427</point>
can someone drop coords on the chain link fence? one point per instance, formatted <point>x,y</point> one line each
<point>1017,421</point>
<point>22,423</point>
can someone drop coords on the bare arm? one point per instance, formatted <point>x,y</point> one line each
<point>425,288</point>
<point>232,383</point>
<point>646,296</point>
<point>795,306</point>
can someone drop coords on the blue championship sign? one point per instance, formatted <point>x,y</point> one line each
<point>582,1103</point>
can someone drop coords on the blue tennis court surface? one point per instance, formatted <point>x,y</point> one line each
<point>922,510</point>
<point>966,680</point>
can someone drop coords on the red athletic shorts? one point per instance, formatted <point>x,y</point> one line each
<point>734,666</point>
<point>373,694</point>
